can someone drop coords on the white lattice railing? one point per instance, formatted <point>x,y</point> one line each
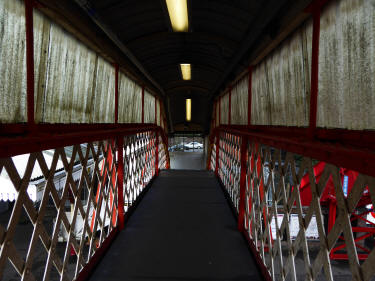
<point>55,234</point>
<point>305,219</point>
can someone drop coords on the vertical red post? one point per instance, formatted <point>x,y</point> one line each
<point>249,95</point>
<point>314,68</point>
<point>230,105</point>
<point>217,153</point>
<point>116,92</point>
<point>143,104</point>
<point>243,161</point>
<point>29,4</point>
<point>120,181</point>
<point>156,153</point>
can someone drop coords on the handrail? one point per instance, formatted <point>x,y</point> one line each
<point>349,154</point>
<point>283,186</point>
<point>87,205</point>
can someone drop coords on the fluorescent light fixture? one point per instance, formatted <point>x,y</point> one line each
<point>186,71</point>
<point>188,109</point>
<point>178,14</point>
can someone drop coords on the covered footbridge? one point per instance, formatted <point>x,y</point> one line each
<point>281,91</point>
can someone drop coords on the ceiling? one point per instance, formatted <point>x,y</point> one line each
<point>221,35</point>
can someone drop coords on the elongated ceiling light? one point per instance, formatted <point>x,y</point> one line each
<point>186,71</point>
<point>178,14</point>
<point>188,109</point>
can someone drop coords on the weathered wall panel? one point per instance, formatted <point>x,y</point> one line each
<point>346,96</point>
<point>137,104</point>
<point>12,62</point>
<point>217,113</point>
<point>126,98</point>
<point>239,102</point>
<point>42,26</point>
<point>281,82</point>
<point>224,108</point>
<point>149,108</point>
<point>158,112</point>
<point>70,80</point>
<point>260,111</point>
<point>103,99</point>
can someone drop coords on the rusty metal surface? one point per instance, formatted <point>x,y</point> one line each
<point>12,61</point>
<point>346,65</point>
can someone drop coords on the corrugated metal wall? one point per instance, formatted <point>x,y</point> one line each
<point>72,83</point>
<point>347,65</point>
<point>12,62</point>
<point>281,82</point>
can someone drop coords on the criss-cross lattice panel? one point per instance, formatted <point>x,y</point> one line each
<point>229,165</point>
<point>139,164</point>
<point>213,155</point>
<point>287,211</point>
<point>65,205</point>
<point>162,154</point>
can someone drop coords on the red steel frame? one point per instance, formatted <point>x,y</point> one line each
<point>366,232</point>
<point>52,136</point>
<point>341,155</point>
<point>40,137</point>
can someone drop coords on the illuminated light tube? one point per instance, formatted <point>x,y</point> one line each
<point>186,71</point>
<point>178,15</point>
<point>188,109</point>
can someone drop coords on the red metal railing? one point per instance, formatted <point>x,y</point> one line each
<point>297,196</point>
<point>86,180</point>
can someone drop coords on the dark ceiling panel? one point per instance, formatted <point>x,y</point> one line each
<point>219,32</point>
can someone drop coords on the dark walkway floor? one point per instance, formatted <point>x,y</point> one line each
<point>183,229</point>
<point>187,160</point>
